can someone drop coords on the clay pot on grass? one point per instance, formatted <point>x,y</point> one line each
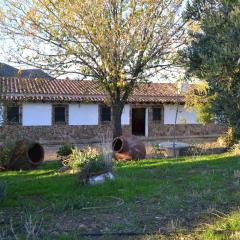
<point>25,155</point>
<point>128,147</point>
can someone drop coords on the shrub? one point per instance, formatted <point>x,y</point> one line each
<point>88,162</point>
<point>156,151</point>
<point>79,158</point>
<point>65,150</point>
<point>235,149</point>
<point>6,154</point>
<point>227,140</point>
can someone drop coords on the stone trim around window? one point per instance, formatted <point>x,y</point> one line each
<point>5,109</point>
<point>66,106</point>
<point>101,106</point>
<point>162,113</point>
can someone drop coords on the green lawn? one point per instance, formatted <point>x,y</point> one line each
<point>184,198</point>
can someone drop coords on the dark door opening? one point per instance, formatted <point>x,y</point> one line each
<point>138,121</point>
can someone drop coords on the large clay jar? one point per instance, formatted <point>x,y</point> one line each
<point>128,147</point>
<point>26,155</point>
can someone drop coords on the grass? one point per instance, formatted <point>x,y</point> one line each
<point>184,198</point>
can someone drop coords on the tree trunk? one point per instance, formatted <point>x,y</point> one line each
<point>116,120</point>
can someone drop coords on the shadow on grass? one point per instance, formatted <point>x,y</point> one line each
<point>152,194</point>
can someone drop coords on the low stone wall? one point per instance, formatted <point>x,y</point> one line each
<point>184,130</point>
<point>93,134</point>
<point>58,133</point>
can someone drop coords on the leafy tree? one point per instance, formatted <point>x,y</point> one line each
<point>197,99</point>
<point>119,43</point>
<point>213,56</point>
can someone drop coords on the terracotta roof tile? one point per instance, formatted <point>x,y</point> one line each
<point>16,89</point>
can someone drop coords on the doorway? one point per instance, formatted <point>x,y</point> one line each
<point>138,121</point>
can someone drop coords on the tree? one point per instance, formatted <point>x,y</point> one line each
<point>213,56</point>
<point>119,43</point>
<point>197,99</point>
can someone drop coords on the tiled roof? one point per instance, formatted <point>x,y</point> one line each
<point>17,89</point>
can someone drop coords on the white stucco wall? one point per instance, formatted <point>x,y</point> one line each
<point>184,116</point>
<point>87,114</point>
<point>83,114</point>
<point>37,114</point>
<point>125,119</point>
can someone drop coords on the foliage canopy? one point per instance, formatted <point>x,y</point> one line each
<point>213,56</point>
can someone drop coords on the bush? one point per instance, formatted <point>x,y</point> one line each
<point>157,152</point>
<point>227,140</point>
<point>79,158</point>
<point>88,162</point>
<point>235,149</point>
<point>6,154</point>
<point>65,150</point>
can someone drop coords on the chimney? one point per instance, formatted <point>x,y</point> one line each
<point>185,87</point>
<point>182,86</point>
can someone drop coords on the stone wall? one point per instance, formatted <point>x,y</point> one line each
<point>159,129</point>
<point>89,134</point>
<point>58,133</point>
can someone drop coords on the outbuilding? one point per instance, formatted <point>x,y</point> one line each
<point>77,111</point>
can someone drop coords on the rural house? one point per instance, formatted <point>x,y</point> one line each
<point>76,111</point>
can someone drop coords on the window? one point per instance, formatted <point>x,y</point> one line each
<point>157,114</point>
<point>105,114</point>
<point>60,114</point>
<point>13,114</point>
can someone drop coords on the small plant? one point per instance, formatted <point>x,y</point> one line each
<point>88,162</point>
<point>65,150</point>
<point>93,168</point>
<point>227,140</point>
<point>194,150</point>
<point>106,148</point>
<point>156,151</point>
<point>236,174</point>
<point>6,154</point>
<point>235,149</point>
<point>32,227</point>
<point>80,158</point>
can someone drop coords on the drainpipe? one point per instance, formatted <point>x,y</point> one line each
<point>175,125</point>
